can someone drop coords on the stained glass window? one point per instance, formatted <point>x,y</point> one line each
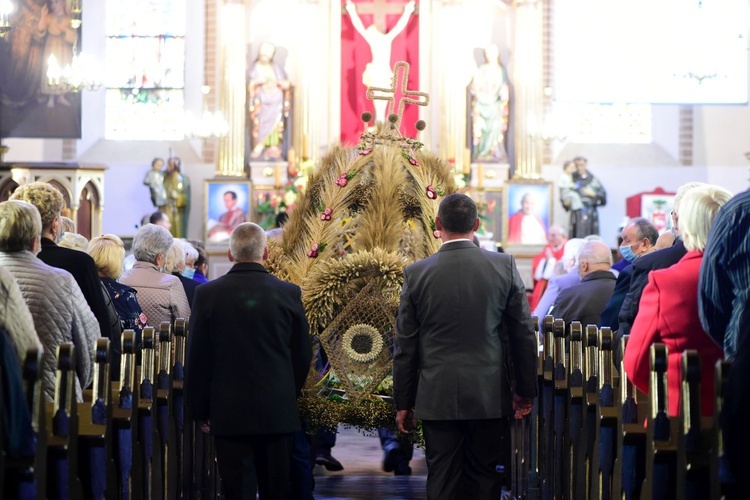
<point>145,68</point>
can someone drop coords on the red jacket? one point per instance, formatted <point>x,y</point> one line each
<point>668,314</point>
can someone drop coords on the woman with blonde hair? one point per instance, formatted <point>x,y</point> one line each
<point>668,310</point>
<point>57,306</point>
<point>108,253</point>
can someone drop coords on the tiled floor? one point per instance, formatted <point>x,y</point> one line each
<point>363,476</point>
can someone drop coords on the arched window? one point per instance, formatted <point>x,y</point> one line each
<point>145,68</point>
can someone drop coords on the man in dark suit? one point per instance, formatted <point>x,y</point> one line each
<point>585,301</point>
<point>463,318</point>
<point>248,358</point>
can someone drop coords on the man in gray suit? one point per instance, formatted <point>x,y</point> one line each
<point>463,319</point>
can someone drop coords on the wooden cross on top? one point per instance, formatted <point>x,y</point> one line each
<point>380,9</point>
<point>398,95</point>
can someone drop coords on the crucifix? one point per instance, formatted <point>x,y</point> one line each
<point>398,95</point>
<point>379,9</point>
<point>378,71</point>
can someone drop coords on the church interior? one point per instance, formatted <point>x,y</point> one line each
<point>246,102</point>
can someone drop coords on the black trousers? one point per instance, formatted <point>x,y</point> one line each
<point>462,456</point>
<point>255,463</point>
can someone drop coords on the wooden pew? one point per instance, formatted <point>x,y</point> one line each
<point>591,402</point>
<point>126,452</point>
<point>165,423</point>
<point>523,439</point>
<point>532,488</point>
<point>182,452</point>
<point>147,434</point>
<point>546,452</point>
<point>722,482</point>
<point>575,486</point>
<point>608,416</point>
<point>630,464</point>
<point>62,430</point>
<point>696,440</point>
<point>662,433</point>
<point>97,471</point>
<point>560,375</point>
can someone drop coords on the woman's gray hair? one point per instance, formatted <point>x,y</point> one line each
<point>247,242</point>
<point>175,258</point>
<point>150,241</point>
<point>20,224</point>
<point>191,253</point>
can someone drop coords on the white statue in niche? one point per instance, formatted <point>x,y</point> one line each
<point>378,72</point>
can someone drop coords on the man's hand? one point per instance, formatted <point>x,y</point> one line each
<point>405,421</point>
<point>522,406</point>
<point>205,426</point>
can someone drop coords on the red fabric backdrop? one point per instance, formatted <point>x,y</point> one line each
<point>355,54</point>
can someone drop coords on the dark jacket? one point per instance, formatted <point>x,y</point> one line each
<point>83,269</point>
<point>189,285</point>
<point>463,316</point>
<point>585,301</point>
<point>610,313</point>
<point>249,353</point>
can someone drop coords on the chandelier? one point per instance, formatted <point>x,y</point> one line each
<point>6,9</point>
<point>78,75</point>
<point>210,125</point>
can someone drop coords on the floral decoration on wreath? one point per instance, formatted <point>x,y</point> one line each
<point>344,178</point>
<point>315,249</point>
<point>362,343</point>
<point>325,212</point>
<point>410,158</point>
<point>433,193</point>
<point>435,232</point>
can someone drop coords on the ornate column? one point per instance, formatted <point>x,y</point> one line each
<point>232,93</point>
<point>528,86</point>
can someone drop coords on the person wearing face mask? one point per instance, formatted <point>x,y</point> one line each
<point>176,267</point>
<point>639,238</point>
<point>660,259</point>
<point>50,203</point>
<point>160,295</point>
<point>585,301</point>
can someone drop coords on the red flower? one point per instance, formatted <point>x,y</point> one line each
<point>431,194</point>
<point>312,253</point>
<point>342,180</point>
<point>314,247</point>
<point>323,216</point>
<point>365,152</point>
<point>328,211</point>
<point>413,161</point>
<point>436,234</point>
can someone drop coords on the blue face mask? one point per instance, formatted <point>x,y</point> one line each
<point>188,273</point>
<point>627,253</point>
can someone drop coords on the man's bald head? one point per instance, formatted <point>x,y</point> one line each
<point>594,256</point>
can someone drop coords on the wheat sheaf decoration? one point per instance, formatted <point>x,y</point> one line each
<point>367,212</point>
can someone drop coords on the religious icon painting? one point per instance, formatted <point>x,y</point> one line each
<point>226,206</point>
<point>266,204</point>
<point>490,210</point>
<point>527,212</point>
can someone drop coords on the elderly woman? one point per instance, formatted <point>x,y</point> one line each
<point>57,306</point>
<point>50,203</point>
<point>160,295</point>
<point>15,317</point>
<point>176,267</point>
<point>668,310</point>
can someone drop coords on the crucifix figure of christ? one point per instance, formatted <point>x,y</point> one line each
<point>395,97</point>
<point>378,72</point>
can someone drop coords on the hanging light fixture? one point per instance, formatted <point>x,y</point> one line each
<point>75,9</point>
<point>74,77</point>
<point>6,9</point>
<point>210,125</point>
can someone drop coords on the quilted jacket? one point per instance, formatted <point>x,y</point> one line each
<point>15,317</point>
<point>60,314</point>
<point>161,296</point>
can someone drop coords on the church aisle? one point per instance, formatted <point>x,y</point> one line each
<point>363,475</point>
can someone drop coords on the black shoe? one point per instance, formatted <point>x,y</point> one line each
<point>327,461</point>
<point>391,459</point>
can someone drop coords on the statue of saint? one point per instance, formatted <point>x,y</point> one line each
<point>155,181</point>
<point>270,98</point>
<point>177,187</point>
<point>378,72</point>
<point>489,98</point>
<point>585,221</point>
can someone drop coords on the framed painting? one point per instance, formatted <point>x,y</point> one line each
<point>527,212</point>
<point>226,205</point>
<point>490,210</point>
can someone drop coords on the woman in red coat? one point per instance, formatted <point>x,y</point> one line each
<point>668,311</point>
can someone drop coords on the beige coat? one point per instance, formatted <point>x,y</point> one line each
<point>161,296</point>
<point>15,317</point>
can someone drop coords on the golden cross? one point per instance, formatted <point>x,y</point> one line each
<point>398,95</point>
